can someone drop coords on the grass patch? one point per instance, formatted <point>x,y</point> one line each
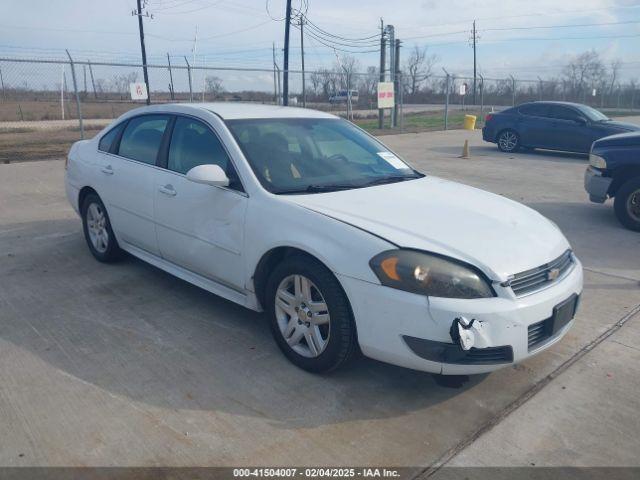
<point>419,122</point>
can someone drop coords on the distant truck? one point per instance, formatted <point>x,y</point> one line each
<point>614,172</point>
<point>342,96</point>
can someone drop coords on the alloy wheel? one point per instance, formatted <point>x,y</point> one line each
<point>508,141</point>
<point>633,205</point>
<point>97,227</point>
<point>302,315</point>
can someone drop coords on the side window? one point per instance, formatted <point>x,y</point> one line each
<point>564,113</point>
<point>192,144</point>
<point>108,138</point>
<point>534,110</point>
<point>142,137</point>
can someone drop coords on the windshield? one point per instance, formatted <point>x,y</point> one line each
<point>309,155</point>
<point>592,114</point>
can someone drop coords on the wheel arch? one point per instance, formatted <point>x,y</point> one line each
<point>82,194</point>
<point>622,176</point>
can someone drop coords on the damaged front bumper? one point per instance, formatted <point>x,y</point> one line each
<point>414,331</point>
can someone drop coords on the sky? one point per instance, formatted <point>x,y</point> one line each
<point>522,38</point>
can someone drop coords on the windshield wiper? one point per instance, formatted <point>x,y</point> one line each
<point>390,179</point>
<point>320,188</point>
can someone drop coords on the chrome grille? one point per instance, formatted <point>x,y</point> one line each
<point>537,278</point>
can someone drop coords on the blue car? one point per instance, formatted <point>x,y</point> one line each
<point>564,126</point>
<point>614,172</point>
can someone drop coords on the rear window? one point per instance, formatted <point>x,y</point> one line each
<point>142,137</point>
<point>106,142</point>
<point>534,110</point>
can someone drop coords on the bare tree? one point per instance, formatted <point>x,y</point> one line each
<point>347,66</point>
<point>585,70</point>
<point>369,82</point>
<point>613,74</point>
<point>120,83</point>
<point>324,82</point>
<point>213,85</point>
<point>419,67</point>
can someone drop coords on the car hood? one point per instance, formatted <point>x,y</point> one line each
<point>621,126</point>
<point>498,235</point>
<point>619,140</point>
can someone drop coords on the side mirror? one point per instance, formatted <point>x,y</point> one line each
<point>208,175</point>
<point>581,121</point>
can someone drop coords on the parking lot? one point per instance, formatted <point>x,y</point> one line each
<point>126,365</point>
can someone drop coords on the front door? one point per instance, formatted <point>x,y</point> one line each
<point>571,130</point>
<point>200,227</point>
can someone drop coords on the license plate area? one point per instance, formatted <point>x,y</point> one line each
<point>563,313</point>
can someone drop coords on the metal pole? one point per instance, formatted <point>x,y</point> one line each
<point>304,92</point>
<point>539,88</point>
<point>4,96</point>
<point>62,93</point>
<point>93,83</point>
<point>75,88</point>
<point>190,86</point>
<point>474,62</point>
<point>481,93</point>
<point>446,103</point>
<point>392,63</point>
<point>285,89</point>
<point>513,91</point>
<point>275,83</point>
<point>144,53</point>
<point>170,78</point>
<point>383,64</point>
<point>397,85</point>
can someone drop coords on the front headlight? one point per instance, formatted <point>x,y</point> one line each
<point>429,274</point>
<point>597,161</point>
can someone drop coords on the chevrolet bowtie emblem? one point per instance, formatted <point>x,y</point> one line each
<point>553,274</point>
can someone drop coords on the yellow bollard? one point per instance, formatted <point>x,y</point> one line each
<point>469,124</point>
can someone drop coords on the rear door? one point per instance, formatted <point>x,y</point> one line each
<point>129,181</point>
<point>571,130</point>
<point>535,125</point>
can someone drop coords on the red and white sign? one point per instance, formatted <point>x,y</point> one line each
<point>138,91</point>
<point>386,97</point>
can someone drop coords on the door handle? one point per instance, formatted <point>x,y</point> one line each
<point>108,170</point>
<point>168,190</point>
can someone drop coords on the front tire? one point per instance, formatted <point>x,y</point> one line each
<point>97,230</point>
<point>310,315</point>
<point>627,204</point>
<point>508,141</point>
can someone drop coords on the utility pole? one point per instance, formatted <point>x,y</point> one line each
<point>304,92</point>
<point>474,40</point>
<point>383,66</point>
<point>139,14</point>
<point>392,69</point>
<point>285,86</point>
<point>398,82</point>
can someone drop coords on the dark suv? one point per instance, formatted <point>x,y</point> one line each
<point>614,172</point>
<point>570,127</point>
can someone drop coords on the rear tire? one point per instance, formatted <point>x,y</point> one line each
<point>627,204</point>
<point>508,141</point>
<point>315,330</point>
<point>97,230</point>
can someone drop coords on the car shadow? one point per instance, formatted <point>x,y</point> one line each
<point>492,151</point>
<point>141,334</point>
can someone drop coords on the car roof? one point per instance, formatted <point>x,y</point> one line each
<point>237,110</point>
<point>553,102</point>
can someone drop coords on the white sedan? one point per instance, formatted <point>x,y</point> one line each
<point>345,246</point>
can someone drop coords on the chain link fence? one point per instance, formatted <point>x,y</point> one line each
<point>45,105</point>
